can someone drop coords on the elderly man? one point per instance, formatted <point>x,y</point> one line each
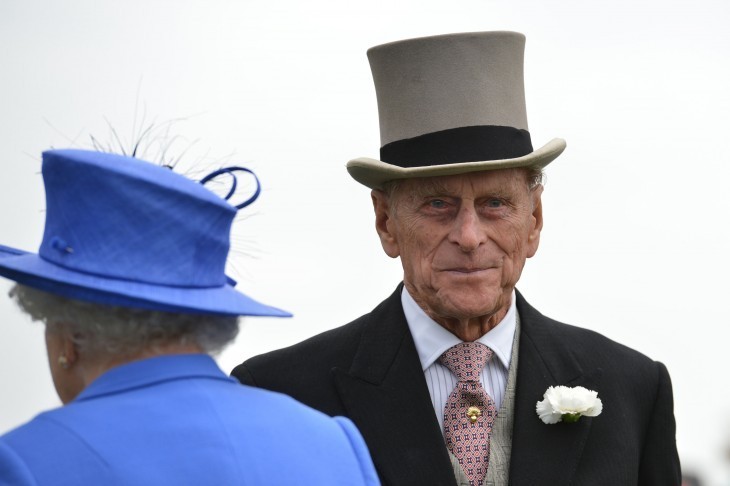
<point>455,378</point>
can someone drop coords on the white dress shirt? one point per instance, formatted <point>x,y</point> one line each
<point>432,340</point>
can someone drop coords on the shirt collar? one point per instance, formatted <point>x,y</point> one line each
<point>432,339</point>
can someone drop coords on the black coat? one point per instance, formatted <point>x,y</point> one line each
<point>369,370</point>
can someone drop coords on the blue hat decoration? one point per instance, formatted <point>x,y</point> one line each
<point>122,231</point>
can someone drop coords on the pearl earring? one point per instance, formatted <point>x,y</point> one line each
<point>63,361</point>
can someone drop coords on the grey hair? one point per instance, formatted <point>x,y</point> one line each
<point>111,331</point>
<point>535,177</point>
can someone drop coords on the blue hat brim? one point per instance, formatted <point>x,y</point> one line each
<point>29,269</point>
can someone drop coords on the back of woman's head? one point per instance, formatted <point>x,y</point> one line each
<point>111,331</point>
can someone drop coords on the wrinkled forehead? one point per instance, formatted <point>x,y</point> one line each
<point>493,181</point>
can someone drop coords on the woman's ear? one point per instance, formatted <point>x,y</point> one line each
<point>63,360</point>
<point>69,350</point>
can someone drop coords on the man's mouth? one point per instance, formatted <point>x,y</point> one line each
<point>466,270</point>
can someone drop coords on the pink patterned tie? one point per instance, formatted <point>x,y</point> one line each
<point>470,412</point>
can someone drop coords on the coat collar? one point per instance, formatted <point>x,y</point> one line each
<point>150,371</point>
<point>384,392</point>
<point>541,453</point>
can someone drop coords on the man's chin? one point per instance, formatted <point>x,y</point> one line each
<point>465,306</point>
<point>480,287</point>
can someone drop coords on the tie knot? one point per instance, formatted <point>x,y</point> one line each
<point>466,360</point>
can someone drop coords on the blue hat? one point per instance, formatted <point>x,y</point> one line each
<point>125,232</point>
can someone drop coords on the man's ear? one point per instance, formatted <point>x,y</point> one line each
<point>384,225</point>
<point>533,237</point>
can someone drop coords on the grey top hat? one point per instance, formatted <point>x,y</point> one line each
<point>451,104</point>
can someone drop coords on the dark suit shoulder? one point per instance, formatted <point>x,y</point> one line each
<point>304,370</point>
<point>589,347</point>
<point>328,349</point>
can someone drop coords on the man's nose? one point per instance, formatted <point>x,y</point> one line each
<point>467,231</point>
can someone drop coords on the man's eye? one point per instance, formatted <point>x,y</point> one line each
<point>495,203</point>
<point>438,203</point>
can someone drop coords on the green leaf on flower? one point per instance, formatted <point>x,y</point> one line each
<point>570,418</point>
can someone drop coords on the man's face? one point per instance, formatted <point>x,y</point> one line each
<point>462,239</point>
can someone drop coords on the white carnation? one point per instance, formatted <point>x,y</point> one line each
<point>562,402</point>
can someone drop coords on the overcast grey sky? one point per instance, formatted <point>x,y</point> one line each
<point>636,235</point>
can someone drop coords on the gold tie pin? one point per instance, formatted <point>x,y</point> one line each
<point>473,413</point>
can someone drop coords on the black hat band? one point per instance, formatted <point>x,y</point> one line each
<point>454,145</point>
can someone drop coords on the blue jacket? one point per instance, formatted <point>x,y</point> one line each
<point>178,420</point>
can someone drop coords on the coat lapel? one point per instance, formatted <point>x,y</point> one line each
<point>541,453</point>
<point>385,394</point>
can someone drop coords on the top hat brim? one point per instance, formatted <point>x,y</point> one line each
<point>374,173</point>
<point>32,270</point>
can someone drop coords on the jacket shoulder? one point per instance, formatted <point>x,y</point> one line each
<point>304,370</point>
<point>320,353</point>
<point>333,348</point>
<point>587,346</point>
